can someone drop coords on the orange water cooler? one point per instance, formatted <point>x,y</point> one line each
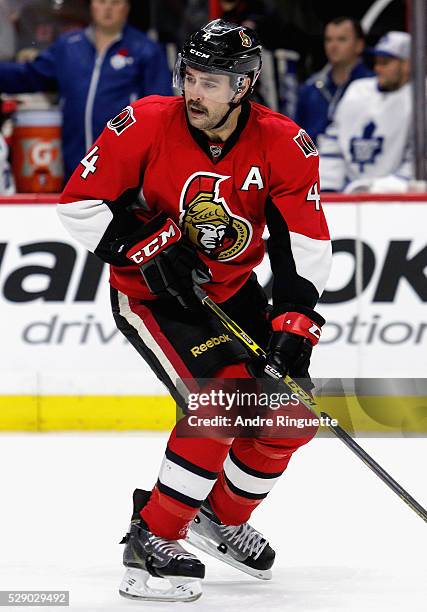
<point>36,151</point>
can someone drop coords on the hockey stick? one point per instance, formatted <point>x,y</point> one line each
<point>308,401</point>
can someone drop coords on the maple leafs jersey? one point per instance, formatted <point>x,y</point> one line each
<point>150,159</point>
<point>369,138</point>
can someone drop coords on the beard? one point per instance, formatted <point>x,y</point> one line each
<point>393,83</point>
<point>389,86</point>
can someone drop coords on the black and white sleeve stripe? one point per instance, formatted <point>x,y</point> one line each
<point>97,223</point>
<point>300,265</point>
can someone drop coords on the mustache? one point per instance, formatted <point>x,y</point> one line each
<point>197,106</point>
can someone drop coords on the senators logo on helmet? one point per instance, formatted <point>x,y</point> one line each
<point>208,222</point>
<point>246,41</point>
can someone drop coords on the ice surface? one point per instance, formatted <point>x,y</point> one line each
<point>344,541</point>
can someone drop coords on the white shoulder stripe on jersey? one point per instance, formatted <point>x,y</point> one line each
<point>86,221</point>
<point>313,259</point>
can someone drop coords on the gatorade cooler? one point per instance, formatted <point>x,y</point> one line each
<point>36,151</point>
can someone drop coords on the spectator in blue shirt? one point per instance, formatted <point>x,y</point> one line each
<point>320,94</point>
<point>98,71</point>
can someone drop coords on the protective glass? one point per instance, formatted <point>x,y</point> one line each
<point>208,83</point>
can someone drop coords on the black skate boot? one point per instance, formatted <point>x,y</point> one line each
<point>238,545</point>
<point>147,555</point>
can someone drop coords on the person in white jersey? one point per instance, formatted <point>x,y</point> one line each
<point>368,146</point>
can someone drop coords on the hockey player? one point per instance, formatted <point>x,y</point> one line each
<point>214,169</point>
<point>367,147</point>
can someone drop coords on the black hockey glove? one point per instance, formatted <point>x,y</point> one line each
<point>168,262</point>
<point>289,350</point>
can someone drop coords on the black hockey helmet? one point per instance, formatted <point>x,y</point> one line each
<point>221,47</point>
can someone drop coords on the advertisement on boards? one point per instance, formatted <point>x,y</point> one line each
<point>61,337</point>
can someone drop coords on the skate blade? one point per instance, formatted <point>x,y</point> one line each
<point>208,547</point>
<point>135,586</point>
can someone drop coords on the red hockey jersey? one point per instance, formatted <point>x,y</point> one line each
<point>150,159</point>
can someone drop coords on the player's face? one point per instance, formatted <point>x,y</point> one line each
<point>341,44</point>
<point>391,72</point>
<point>204,97</point>
<point>109,14</point>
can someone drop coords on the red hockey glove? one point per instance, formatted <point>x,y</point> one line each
<point>168,263</point>
<point>289,350</point>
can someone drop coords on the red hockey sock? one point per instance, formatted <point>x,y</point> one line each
<point>236,481</point>
<point>251,469</point>
<point>187,475</point>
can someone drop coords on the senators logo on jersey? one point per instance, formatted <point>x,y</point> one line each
<point>207,221</point>
<point>305,143</point>
<point>122,121</point>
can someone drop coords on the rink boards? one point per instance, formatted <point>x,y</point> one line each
<point>67,367</point>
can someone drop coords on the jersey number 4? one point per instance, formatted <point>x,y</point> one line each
<point>89,163</point>
<point>314,196</point>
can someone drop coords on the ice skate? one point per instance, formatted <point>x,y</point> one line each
<point>148,557</point>
<point>241,546</point>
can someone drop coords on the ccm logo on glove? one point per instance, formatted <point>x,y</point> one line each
<point>299,324</point>
<point>151,246</point>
